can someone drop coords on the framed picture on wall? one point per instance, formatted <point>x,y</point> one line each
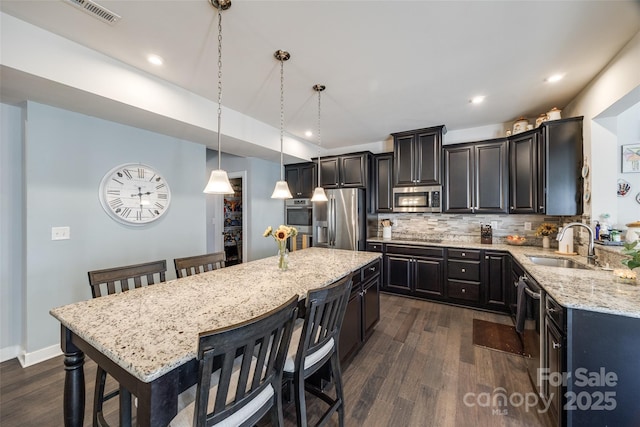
<point>631,158</point>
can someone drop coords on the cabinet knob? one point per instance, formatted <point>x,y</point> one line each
<point>556,345</point>
<point>464,254</point>
<point>541,207</point>
<point>486,257</point>
<point>464,270</point>
<point>512,208</point>
<point>464,290</point>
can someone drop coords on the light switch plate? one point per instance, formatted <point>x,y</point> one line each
<point>60,233</point>
<point>527,226</point>
<point>494,225</point>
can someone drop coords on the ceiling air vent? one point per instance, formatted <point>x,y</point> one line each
<point>95,10</point>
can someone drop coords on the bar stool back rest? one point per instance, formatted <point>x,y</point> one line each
<point>324,313</point>
<point>254,341</point>
<point>199,264</point>
<point>118,279</point>
<point>141,274</point>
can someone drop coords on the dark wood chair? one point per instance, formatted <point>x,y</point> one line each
<point>240,372</point>
<point>313,344</point>
<point>199,264</point>
<point>113,280</point>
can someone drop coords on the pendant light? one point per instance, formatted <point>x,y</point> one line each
<point>282,188</point>
<point>318,194</point>
<point>219,181</point>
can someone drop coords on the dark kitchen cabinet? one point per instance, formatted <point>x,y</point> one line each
<point>463,275</point>
<point>381,190</point>
<point>301,178</point>
<point>363,310</point>
<point>545,169</point>
<point>554,359</point>
<point>346,171</point>
<point>496,279</point>
<point>524,172</point>
<point>414,270</point>
<point>476,177</point>
<point>417,155</point>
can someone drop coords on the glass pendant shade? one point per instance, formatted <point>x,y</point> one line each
<point>319,195</point>
<point>218,183</point>
<point>281,191</point>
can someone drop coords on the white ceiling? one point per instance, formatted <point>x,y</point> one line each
<point>388,66</point>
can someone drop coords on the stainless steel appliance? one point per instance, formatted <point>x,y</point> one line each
<point>531,339</point>
<point>299,214</point>
<point>417,199</point>
<point>340,222</point>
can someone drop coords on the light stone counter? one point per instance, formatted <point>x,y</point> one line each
<point>593,290</point>
<point>151,330</point>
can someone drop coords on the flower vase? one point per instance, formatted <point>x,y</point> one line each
<point>546,244</point>
<point>283,256</point>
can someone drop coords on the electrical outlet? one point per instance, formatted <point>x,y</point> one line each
<point>494,225</point>
<point>60,233</point>
<point>527,226</point>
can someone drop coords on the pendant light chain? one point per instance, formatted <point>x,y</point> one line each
<point>319,139</point>
<point>219,85</point>
<point>281,119</point>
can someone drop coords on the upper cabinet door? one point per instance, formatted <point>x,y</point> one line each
<point>353,170</point>
<point>417,156</point>
<point>459,176</point>
<point>491,177</point>
<point>301,178</point>
<point>329,172</point>
<point>382,183</point>
<point>523,179</point>
<point>404,148</point>
<point>428,148</point>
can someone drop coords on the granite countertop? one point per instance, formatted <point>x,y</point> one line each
<point>592,289</point>
<point>151,330</point>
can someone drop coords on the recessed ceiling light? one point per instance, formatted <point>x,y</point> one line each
<point>308,133</point>
<point>155,59</point>
<point>555,78</point>
<point>477,99</point>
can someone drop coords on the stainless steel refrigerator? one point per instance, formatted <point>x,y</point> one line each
<point>340,222</point>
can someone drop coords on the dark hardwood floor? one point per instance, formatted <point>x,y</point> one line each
<point>415,370</point>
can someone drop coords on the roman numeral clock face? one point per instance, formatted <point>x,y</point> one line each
<point>134,194</point>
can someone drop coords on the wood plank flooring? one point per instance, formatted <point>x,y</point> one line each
<point>415,370</point>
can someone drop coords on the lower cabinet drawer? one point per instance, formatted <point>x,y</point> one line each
<point>464,270</point>
<point>462,290</point>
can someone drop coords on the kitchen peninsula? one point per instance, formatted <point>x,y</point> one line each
<point>147,337</point>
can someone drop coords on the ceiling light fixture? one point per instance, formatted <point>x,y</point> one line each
<point>282,188</point>
<point>318,194</point>
<point>219,180</point>
<point>308,134</point>
<point>155,59</point>
<point>477,99</point>
<point>555,78</point>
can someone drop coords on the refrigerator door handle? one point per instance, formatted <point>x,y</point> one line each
<point>333,221</point>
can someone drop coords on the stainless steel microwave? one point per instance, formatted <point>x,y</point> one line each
<point>417,199</point>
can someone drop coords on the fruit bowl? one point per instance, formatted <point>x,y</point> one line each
<point>516,240</point>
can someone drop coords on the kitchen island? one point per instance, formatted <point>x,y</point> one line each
<point>147,337</point>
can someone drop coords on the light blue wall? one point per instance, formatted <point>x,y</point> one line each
<point>11,229</point>
<point>66,156</point>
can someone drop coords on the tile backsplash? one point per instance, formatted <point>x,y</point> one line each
<point>466,228</point>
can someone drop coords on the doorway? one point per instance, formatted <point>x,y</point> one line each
<point>232,228</point>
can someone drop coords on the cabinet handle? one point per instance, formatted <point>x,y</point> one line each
<point>463,270</point>
<point>541,207</point>
<point>512,208</point>
<point>551,310</point>
<point>486,257</point>
<point>372,269</point>
<point>556,345</point>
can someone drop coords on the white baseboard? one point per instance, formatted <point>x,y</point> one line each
<point>28,359</point>
<point>9,353</point>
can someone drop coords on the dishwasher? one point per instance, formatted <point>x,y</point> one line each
<point>533,312</point>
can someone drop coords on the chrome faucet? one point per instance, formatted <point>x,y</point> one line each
<point>591,254</point>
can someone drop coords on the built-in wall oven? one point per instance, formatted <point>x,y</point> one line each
<point>417,199</point>
<point>299,214</point>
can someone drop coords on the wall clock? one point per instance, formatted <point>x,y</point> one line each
<point>134,194</point>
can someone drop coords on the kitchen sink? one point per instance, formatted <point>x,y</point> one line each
<point>556,262</point>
